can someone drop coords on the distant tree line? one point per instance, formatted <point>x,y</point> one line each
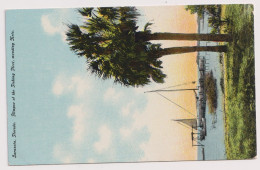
<point>214,11</point>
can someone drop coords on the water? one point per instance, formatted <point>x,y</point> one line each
<point>214,142</point>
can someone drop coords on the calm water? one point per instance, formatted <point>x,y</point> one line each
<point>214,141</point>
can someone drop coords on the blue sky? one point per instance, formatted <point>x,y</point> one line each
<point>63,113</point>
<point>66,115</point>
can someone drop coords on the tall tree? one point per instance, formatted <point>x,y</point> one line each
<point>114,48</point>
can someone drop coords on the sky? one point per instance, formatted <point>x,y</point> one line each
<point>66,115</point>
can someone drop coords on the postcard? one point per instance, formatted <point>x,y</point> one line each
<point>130,84</point>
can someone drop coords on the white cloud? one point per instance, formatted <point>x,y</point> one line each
<point>113,96</point>
<point>58,87</point>
<point>61,154</point>
<point>79,116</point>
<point>105,139</point>
<point>48,27</point>
<point>80,84</point>
<point>126,132</point>
<point>53,23</point>
<point>90,160</point>
<point>76,84</point>
<point>125,111</point>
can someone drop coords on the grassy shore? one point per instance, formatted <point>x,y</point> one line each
<point>239,83</point>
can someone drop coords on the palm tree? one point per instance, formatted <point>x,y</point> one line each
<point>113,47</point>
<point>128,62</point>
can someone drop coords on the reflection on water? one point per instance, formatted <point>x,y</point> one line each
<point>214,142</point>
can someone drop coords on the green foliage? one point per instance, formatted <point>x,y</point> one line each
<point>239,82</point>
<point>214,11</point>
<point>240,137</point>
<point>107,40</point>
<point>211,91</point>
<point>196,9</point>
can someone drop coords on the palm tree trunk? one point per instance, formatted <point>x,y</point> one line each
<point>182,36</point>
<point>179,50</point>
